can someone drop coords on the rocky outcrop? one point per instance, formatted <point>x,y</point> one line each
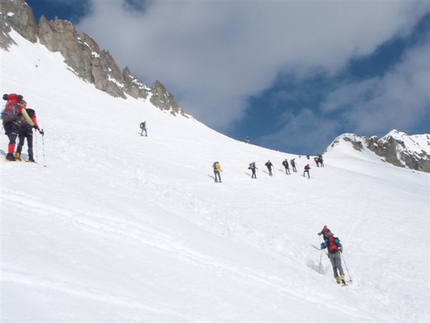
<point>163,99</point>
<point>399,149</point>
<point>18,15</point>
<point>81,53</point>
<point>396,148</point>
<point>84,57</point>
<point>133,86</point>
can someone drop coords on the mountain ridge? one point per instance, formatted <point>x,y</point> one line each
<point>98,67</point>
<point>82,54</point>
<point>396,148</point>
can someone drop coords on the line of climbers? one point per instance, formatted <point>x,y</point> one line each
<point>252,166</point>
<point>19,121</point>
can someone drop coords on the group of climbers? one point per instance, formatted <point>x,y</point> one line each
<point>253,167</point>
<point>18,122</point>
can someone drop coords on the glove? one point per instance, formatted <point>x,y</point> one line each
<point>319,233</point>
<point>340,249</point>
<point>41,132</point>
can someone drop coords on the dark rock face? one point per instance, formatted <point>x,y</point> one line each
<point>163,99</point>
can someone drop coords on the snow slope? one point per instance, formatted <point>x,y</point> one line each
<point>123,228</point>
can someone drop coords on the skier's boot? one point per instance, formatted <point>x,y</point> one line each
<point>31,159</point>
<point>337,279</point>
<point>10,157</point>
<point>18,156</point>
<point>342,279</point>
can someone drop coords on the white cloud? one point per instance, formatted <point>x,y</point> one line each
<point>303,131</point>
<point>399,99</point>
<point>213,55</point>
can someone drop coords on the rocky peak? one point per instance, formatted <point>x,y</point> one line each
<point>81,53</point>
<point>396,148</point>
<point>163,99</point>
<point>18,15</point>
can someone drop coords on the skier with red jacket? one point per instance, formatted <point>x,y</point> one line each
<point>26,132</point>
<point>334,248</point>
<point>10,116</point>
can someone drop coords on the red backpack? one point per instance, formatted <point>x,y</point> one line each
<point>10,112</point>
<point>332,246</point>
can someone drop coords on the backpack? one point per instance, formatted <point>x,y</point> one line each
<point>332,246</point>
<point>215,165</point>
<point>10,112</point>
<point>22,122</point>
<point>31,113</point>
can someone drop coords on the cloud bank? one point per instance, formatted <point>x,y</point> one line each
<point>214,55</point>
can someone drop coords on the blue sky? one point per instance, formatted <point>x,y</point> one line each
<point>291,75</point>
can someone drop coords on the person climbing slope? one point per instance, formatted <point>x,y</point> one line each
<point>217,169</point>
<point>335,248</point>
<point>12,111</point>
<point>26,133</point>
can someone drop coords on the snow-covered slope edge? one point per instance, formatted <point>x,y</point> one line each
<point>396,148</point>
<point>120,227</point>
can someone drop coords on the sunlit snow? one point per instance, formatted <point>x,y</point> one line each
<point>123,228</point>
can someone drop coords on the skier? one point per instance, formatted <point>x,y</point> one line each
<point>325,230</point>
<point>307,168</point>
<point>269,166</point>
<point>252,167</point>
<point>287,167</point>
<point>26,132</point>
<point>320,159</point>
<point>334,249</point>
<point>143,129</point>
<point>217,169</point>
<point>10,115</point>
<point>293,164</point>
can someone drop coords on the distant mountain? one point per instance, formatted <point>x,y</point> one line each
<point>396,148</point>
<point>82,55</point>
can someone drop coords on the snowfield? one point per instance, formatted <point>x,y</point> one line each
<point>110,226</point>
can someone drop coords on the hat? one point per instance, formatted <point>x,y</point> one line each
<point>329,234</point>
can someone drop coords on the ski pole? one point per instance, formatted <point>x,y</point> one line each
<point>346,267</point>
<point>319,241</point>
<point>35,144</point>
<point>43,146</point>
